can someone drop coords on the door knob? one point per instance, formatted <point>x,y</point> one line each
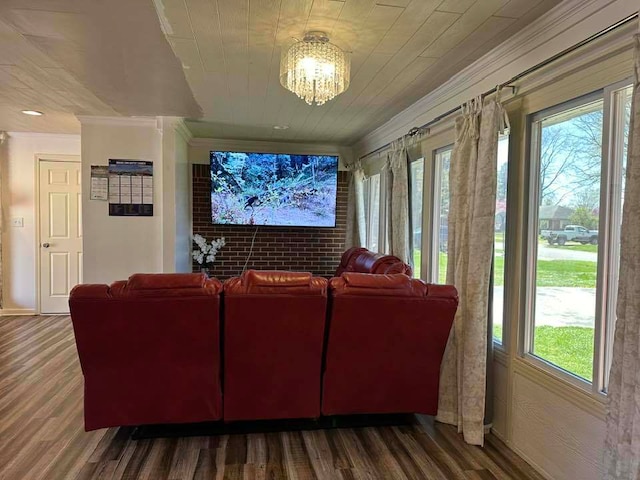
<point>45,245</point>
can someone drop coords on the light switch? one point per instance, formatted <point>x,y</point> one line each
<point>17,222</point>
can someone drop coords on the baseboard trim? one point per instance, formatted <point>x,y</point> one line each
<point>10,312</point>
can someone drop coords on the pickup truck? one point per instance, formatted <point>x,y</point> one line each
<point>571,233</point>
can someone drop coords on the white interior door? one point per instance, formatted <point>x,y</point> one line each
<point>60,234</point>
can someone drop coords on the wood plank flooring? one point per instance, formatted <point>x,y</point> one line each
<point>42,435</point>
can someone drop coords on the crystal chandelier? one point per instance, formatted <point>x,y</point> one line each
<point>314,69</point>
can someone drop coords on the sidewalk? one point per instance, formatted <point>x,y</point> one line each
<point>558,306</point>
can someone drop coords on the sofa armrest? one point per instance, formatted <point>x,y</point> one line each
<point>91,291</point>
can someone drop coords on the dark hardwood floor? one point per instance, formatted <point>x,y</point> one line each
<point>42,435</point>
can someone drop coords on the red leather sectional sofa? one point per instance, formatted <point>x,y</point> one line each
<point>157,349</point>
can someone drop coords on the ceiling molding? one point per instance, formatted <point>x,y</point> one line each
<point>562,27</point>
<point>183,131</point>
<point>178,125</point>
<point>345,154</point>
<point>118,121</point>
<point>71,136</point>
<point>266,146</point>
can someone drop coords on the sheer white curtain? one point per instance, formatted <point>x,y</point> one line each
<point>398,200</point>
<point>356,223</point>
<point>472,186</point>
<point>622,444</point>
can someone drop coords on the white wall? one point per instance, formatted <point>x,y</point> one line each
<point>176,220</point>
<point>183,204</point>
<point>116,247</point>
<point>19,249</point>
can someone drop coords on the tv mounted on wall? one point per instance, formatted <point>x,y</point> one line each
<point>273,189</point>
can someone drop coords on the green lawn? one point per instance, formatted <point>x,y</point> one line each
<point>551,273</point>
<point>570,348</point>
<point>566,273</point>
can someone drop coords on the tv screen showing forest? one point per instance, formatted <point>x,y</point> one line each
<point>273,189</point>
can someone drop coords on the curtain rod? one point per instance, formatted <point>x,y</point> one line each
<point>416,130</point>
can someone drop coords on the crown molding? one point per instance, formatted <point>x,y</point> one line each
<point>69,136</point>
<point>183,130</point>
<point>178,125</point>
<point>118,121</point>
<point>268,146</point>
<point>562,27</point>
<point>345,154</point>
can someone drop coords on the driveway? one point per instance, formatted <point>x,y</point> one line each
<point>546,252</point>
<point>558,306</point>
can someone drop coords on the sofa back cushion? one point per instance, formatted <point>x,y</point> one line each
<point>386,339</point>
<point>149,349</point>
<point>276,282</point>
<point>160,285</point>
<point>274,326</point>
<point>395,285</point>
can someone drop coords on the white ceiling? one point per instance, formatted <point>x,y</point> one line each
<point>92,57</point>
<point>86,57</point>
<point>401,50</point>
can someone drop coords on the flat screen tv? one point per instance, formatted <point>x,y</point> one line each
<point>273,189</point>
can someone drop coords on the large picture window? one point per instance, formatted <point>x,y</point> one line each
<point>441,219</point>
<point>573,247</point>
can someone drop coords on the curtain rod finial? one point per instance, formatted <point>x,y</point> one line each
<point>417,131</point>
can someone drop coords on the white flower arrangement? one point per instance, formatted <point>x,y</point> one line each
<point>206,252</point>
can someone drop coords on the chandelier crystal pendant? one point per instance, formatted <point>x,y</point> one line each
<point>315,69</point>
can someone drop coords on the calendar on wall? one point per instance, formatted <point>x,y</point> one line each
<point>130,188</point>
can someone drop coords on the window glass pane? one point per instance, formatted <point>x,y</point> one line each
<point>416,177</point>
<point>366,194</point>
<point>570,146</point>
<point>499,241</point>
<point>441,218</point>
<point>373,220</point>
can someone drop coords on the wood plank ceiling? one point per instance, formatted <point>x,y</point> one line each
<point>401,50</point>
<point>70,57</point>
<point>73,57</point>
<point>29,79</point>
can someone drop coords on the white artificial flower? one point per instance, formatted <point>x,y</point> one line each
<point>206,252</point>
<point>200,240</point>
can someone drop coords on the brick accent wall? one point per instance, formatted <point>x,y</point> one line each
<point>315,250</point>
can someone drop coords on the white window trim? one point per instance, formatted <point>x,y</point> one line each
<point>611,217</point>
<point>606,269</point>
